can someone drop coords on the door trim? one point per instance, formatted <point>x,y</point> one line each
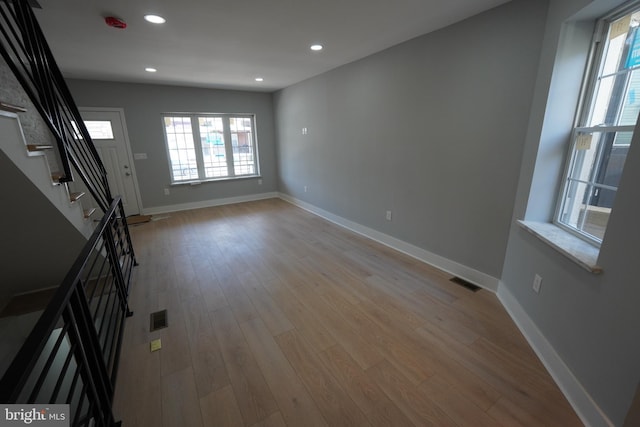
<point>127,144</point>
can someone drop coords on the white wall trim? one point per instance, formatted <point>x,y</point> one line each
<point>586,408</point>
<point>469,274</point>
<point>208,203</point>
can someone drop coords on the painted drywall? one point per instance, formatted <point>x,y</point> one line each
<point>430,130</point>
<point>39,244</point>
<point>143,105</point>
<point>591,321</point>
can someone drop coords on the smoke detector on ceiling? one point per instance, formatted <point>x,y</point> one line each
<point>115,22</point>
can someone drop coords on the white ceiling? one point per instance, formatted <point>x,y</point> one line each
<point>228,43</point>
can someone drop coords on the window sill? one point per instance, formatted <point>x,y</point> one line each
<point>574,248</point>
<point>202,181</point>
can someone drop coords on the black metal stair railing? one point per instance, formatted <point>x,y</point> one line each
<point>71,355</point>
<point>24,48</point>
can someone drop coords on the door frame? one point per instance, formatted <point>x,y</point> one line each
<point>127,147</point>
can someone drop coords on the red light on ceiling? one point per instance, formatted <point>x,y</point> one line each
<point>115,22</point>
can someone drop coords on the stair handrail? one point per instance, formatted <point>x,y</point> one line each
<point>24,48</point>
<point>70,306</point>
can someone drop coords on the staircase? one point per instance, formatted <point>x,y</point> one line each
<point>37,167</point>
<point>72,266</point>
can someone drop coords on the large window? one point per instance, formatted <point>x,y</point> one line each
<point>203,147</point>
<point>605,125</point>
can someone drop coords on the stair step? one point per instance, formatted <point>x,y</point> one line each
<point>38,147</point>
<point>56,177</point>
<point>12,108</point>
<point>73,197</point>
<point>89,212</point>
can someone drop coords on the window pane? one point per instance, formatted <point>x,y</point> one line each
<point>617,85</point>
<point>614,54</point>
<point>631,104</point>
<point>593,180</point>
<point>606,102</point>
<point>99,129</point>
<point>588,210</point>
<point>182,154</point>
<point>602,159</point>
<point>611,163</point>
<point>213,147</point>
<point>242,143</point>
<point>584,209</point>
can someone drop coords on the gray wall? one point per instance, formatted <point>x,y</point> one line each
<point>431,129</point>
<point>39,244</point>
<point>591,321</point>
<point>459,133</point>
<point>143,105</point>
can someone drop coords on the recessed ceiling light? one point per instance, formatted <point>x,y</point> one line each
<point>150,70</point>
<point>155,19</point>
<point>316,47</point>
<point>259,79</point>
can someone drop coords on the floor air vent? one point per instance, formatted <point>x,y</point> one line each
<point>158,320</point>
<point>465,284</point>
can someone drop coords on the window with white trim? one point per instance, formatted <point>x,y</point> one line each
<point>206,147</point>
<point>605,125</point>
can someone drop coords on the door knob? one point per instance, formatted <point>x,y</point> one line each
<point>127,174</point>
<point>126,166</point>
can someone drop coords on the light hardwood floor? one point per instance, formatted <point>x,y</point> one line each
<point>279,318</point>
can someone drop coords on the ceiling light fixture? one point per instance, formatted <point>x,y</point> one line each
<point>150,70</point>
<point>316,47</point>
<point>259,79</point>
<point>155,19</point>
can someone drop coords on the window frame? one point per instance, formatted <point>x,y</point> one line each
<point>581,124</point>
<point>198,147</point>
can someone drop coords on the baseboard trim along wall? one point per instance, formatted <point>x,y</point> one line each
<point>578,397</point>
<point>456,269</point>
<point>208,203</point>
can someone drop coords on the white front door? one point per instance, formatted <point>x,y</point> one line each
<point>109,134</point>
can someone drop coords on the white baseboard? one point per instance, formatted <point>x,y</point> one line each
<point>469,274</point>
<point>588,411</point>
<point>208,203</point>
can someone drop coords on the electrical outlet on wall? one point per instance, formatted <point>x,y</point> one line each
<point>537,282</point>
<point>388,216</point>
<point>305,188</point>
<point>166,192</point>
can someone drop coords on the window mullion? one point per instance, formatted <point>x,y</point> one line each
<point>228,146</point>
<point>197,144</point>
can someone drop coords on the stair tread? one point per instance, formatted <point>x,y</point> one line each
<point>89,212</point>
<point>75,195</point>
<point>12,108</point>
<point>38,147</point>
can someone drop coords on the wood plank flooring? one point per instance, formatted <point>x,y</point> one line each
<point>279,318</point>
